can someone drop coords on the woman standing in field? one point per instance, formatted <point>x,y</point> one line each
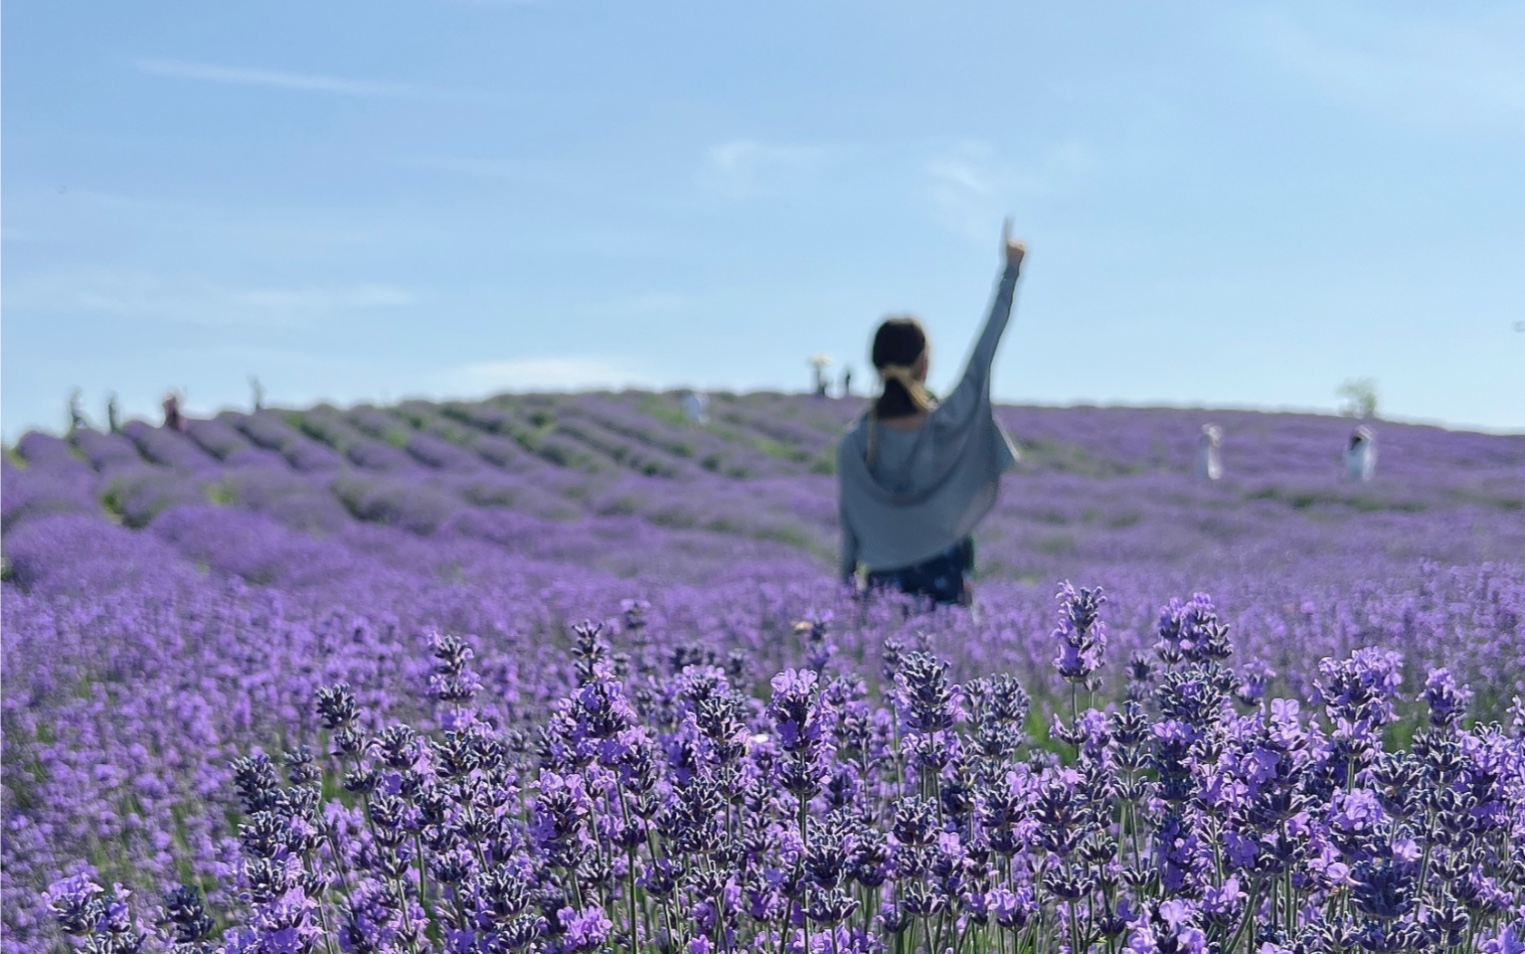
<point>1209,463</point>
<point>916,476</point>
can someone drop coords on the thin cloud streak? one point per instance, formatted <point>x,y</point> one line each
<point>966,180</point>
<point>281,79</point>
<point>1427,73</point>
<point>743,169</point>
<point>148,296</point>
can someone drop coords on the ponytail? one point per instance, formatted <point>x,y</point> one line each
<point>901,390</point>
<point>899,344</point>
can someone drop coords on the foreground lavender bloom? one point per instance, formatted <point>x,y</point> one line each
<point>1447,701</point>
<point>1081,634</point>
<point>698,833</point>
<point>99,919</point>
<point>186,914</point>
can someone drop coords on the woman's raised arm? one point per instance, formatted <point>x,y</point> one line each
<point>1016,249</point>
<point>977,371</point>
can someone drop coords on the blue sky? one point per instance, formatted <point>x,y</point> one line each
<point>1226,204</point>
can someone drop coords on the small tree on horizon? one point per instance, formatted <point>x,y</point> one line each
<point>1360,397</point>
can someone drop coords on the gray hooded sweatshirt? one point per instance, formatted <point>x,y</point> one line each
<point>927,488</point>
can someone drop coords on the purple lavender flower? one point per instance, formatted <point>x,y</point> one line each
<point>1361,689</point>
<point>75,902</point>
<point>1447,701</point>
<point>1510,940</point>
<point>1081,634</point>
<point>584,930</point>
<point>557,825</point>
<point>925,699</point>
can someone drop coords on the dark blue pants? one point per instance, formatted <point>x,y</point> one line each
<point>944,579</point>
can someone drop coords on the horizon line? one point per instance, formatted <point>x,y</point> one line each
<point>1116,405</point>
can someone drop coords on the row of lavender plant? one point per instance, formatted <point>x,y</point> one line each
<point>1048,518</point>
<point>663,807</point>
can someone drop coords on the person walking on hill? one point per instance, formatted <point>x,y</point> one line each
<point>1209,464</point>
<point>916,476</point>
<point>77,420</point>
<point>173,419</point>
<point>696,407</point>
<point>819,383</point>
<point>1361,454</point>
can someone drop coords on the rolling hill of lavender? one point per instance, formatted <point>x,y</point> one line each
<point>569,673</point>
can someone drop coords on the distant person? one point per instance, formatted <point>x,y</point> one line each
<point>173,419</point>
<point>77,420</point>
<point>915,476</point>
<point>259,393</point>
<point>696,407</point>
<point>1361,454</point>
<point>1209,466</point>
<point>847,382</point>
<point>113,414</point>
<point>819,383</point>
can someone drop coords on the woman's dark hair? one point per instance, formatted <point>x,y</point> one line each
<point>900,340</point>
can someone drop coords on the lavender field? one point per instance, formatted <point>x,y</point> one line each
<point>565,673</point>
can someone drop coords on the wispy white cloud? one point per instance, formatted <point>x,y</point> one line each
<point>282,79</point>
<point>543,373</point>
<point>1427,70</point>
<point>144,295</point>
<point>959,176</point>
<point>744,169</point>
<point>970,185</point>
<point>242,229</point>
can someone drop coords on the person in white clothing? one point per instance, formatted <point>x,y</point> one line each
<point>1361,454</point>
<point>1209,466</point>
<point>696,407</point>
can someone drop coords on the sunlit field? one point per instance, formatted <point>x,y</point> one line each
<point>569,673</point>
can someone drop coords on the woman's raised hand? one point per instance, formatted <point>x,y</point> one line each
<point>1015,249</point>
